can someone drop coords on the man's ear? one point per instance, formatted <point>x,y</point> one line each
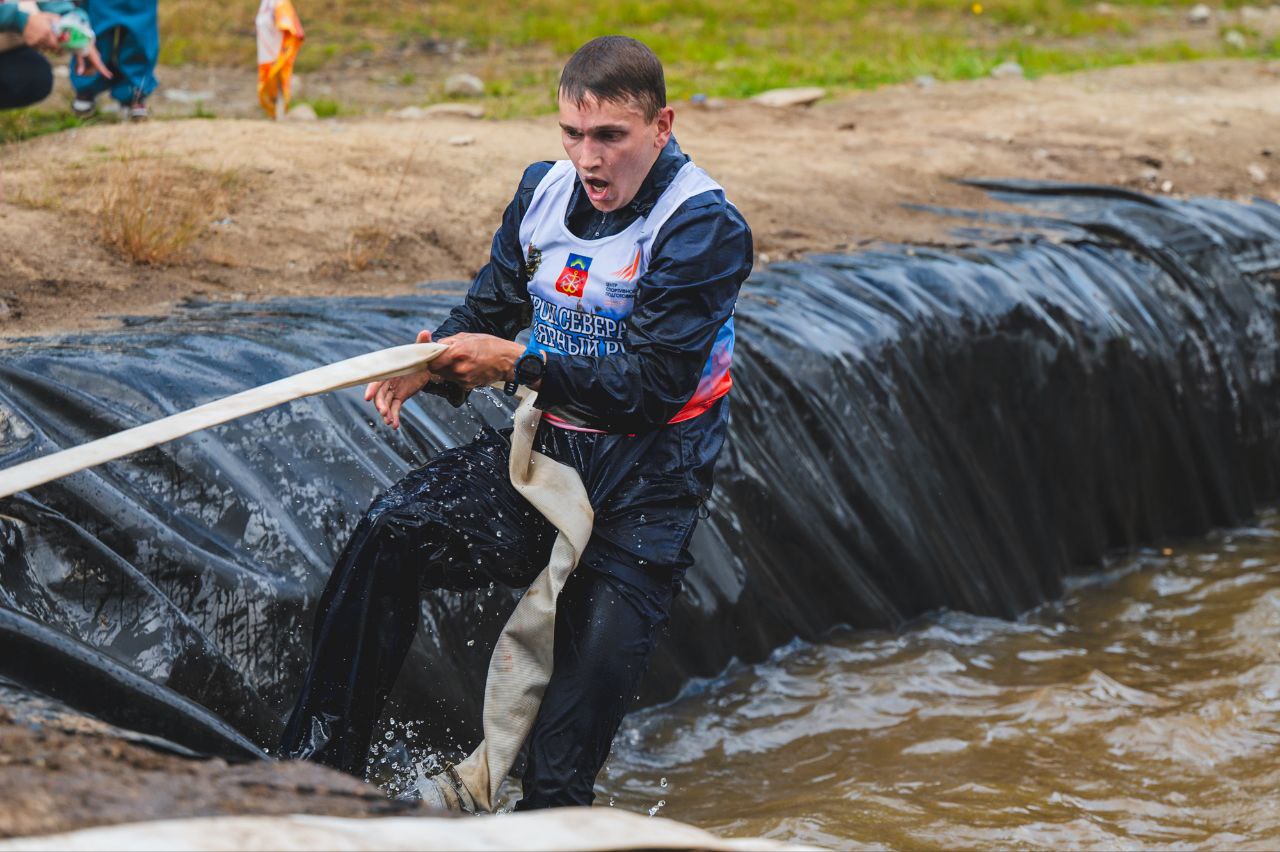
<point>665,120</point>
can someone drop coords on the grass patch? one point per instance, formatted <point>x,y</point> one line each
<point>151,210</point>
<point>19,124</point>
<point>325,107</point>
<point>730,48</point>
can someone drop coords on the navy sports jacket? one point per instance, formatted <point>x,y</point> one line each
<point>700,259</point>
<point>645,477</point>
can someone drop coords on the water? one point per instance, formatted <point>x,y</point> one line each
<point>1141,712</point>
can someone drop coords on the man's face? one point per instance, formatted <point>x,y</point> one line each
<point>613,146</point>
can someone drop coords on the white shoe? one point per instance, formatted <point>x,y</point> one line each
<point>83,108</point>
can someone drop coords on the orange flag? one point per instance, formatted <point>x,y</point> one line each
<point>279,37</point>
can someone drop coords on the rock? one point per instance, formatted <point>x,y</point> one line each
<point>1166,187</point>
<point>460,141</point>
<point>1257,173</point>
<point>926,81</point>
<point>781,98</point>
<point>409,113</point>
<point>459,110</point>
<point>1007,70</point>
<point>186,96</point>
<point>464,86</point>
<point>5,310</point>
<point>1199,14</point>
<point>1235,39</point>
<point>703,102</point>
<point>301,112</point>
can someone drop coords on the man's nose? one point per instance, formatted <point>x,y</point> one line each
<point>592,153</point>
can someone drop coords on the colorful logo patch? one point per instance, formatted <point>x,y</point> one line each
<point>573,279</point>
<point>628,273</point>
<point>532,261</point>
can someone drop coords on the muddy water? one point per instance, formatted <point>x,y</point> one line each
<point>1143,711</point>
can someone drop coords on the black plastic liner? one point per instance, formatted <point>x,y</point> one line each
<point>913,429</point>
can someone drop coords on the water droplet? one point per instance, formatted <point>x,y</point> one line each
<point>470,642</point>
<point>663,782</point>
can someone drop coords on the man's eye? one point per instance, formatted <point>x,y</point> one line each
<point>573,134</point>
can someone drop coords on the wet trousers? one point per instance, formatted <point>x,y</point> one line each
<point>457,524</point>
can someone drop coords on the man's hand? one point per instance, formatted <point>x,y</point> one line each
<point>476,360</point>
<point>91,59</point>
<point>39,31</point>
<point>388,395</point>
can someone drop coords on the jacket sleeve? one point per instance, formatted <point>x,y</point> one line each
<point>498,302</point>
<point>12,19</point>
<point>699,260</point>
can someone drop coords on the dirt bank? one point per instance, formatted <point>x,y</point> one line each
<point>376,205</point>
<point>63,772</point>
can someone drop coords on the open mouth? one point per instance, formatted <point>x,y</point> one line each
<point>596,187</point>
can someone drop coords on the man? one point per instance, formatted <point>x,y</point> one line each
<point>25,76</point>
<point>626,259</point>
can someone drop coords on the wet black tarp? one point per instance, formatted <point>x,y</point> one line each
<point>913,429</point>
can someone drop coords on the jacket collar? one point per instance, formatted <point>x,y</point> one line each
<point>663,171</point>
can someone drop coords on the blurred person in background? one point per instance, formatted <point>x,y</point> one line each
<point>129,41</point>
<point>25,76</point>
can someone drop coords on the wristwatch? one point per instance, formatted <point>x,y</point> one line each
<point>530,368</point>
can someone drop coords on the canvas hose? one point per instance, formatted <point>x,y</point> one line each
<point>520,667</point>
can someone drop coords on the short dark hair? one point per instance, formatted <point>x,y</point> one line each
<point>615,68</point>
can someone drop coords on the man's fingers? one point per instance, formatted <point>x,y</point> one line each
<point>372,390</point>
<point>424,337</point>
<point>394,420</point>
<point>380,400</point>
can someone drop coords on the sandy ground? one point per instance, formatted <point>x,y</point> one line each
<point>377,205</point>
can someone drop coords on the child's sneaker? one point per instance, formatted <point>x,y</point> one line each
<point>138,110</point>
<point>83,107</point>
